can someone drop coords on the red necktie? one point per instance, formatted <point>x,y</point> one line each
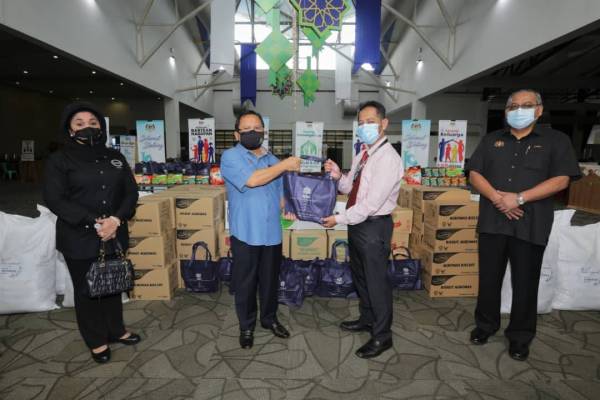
<point>356,183</point>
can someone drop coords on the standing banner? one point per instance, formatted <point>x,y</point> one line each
<point>452,141</point>
<point>308,141</point>
<point>27,150</point>
<point>127,148</point>
<point>151,140</point>
<point>267,122</point>
<point>415,143</point>
<point>202,140</point>
<point>357,145</point>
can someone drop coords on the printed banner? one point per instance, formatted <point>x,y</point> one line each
<point>202,140</point>
<point>27,150</point>
<point>452,141</point>
<point>151,140</point>
<point>415,143</point>
<point>308,141</point>
<point>127,148</point>
<point>357,145</point>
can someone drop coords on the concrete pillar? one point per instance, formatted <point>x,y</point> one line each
<point>418,110</point>
<point>172,128</point>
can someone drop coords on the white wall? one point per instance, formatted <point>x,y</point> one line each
<point>102,33</point>
<point>489,32</point>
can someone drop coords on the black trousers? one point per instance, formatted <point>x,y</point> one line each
<point>526,264</point>
<point>255,269</point>
<point>369,257</point>
<point>100,321</point>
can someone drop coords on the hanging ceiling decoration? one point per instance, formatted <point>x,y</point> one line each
<point>309,83</point>
<point>267,5</point>
<point>321,16</point>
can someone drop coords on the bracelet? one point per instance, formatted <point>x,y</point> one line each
<point>117,220</point>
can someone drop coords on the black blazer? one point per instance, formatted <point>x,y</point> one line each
<point>83,183</point>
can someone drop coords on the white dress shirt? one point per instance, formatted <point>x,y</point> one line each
<point>379,184</point>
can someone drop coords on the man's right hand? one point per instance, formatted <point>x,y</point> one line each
<point>292,164</point>
<point>333,169</point>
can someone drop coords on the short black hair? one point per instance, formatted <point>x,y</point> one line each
<point>243,114</point>
<point>376,105</point>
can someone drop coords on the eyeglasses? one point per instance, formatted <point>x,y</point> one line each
<point>526,106</point>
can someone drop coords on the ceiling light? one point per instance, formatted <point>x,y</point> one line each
<point>367,67</point>
<point>25,71</point>
<point>55,57</point>
<point>93,72</point>
<point>112,98</point>
<point>158,98</point>
<point>50,91</point>
<point>388,83</point>
<point>172,60</point>
<point>91,92</point>
<point>221,68</point>
<point>419,56</point>
<point>76,98</point>
<point>17,83</point>
<point>121,84</point>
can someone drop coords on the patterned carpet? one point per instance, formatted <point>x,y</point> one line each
<point>190,351</point>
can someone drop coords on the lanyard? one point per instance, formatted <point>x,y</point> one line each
<point>362,164</point>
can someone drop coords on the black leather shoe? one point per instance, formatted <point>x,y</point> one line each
<point>373,348</point>
<point>103,357</point>
<point>479,336</point>
<point>132,339</point>
<point>278,330</point>
<point>355,326</point>
<point>518,352</point>
<point>246,339</point>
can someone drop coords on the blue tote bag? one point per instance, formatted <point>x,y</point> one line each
<point>405,274</point>
<point>201,276</point>
<point>291,284</point>
<point>336,278</point>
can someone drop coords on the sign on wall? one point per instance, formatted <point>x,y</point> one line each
<point>415,143</point>
<point>127,148</point>
<point>151,140</point>
<point>452,141</point>
<point>308,141</point>
<point>202,140</point>
<point>27,150</point>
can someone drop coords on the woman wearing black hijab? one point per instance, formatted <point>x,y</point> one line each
<point>93,192</point>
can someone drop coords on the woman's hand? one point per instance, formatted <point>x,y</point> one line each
<point>290,216</point>
<point>108,228</point>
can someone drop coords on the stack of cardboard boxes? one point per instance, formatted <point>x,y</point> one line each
<point>194,213</point>
<point>152,249</point>
<point>449,246</point>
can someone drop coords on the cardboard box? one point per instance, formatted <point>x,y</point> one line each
<point>437,263</point>
<point>451,285</point>
<point>285,243</point>
<point>399,239</point>
<point>332,236</point>
<point>152,217</point>
<point>405,195</point>
<point>418,220</point>
<point>425,193</point>
<point>403,219</point>
<point>165,195</point>
<point>450,240</point>
<point>451,214</point>
<point>152,251</point>
<point>187,238</point>
<point>199,210</point>
<point>155,284</point>
<point>308,244</point>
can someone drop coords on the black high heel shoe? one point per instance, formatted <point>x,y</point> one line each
<point>102,357</point>
<point>130,340</point>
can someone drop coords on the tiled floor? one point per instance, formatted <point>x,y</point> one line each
<point>190,351</point>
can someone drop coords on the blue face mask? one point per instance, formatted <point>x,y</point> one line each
<point>368,133</point>
<point>521,118</point>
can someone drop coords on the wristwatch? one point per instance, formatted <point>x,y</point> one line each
<point>520,199</point>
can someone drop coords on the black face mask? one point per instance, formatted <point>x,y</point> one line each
<point>90,136</point>
<point>251,140</point>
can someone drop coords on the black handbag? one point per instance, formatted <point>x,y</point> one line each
<point>108,277</point>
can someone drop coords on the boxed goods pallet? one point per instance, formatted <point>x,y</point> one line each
<point>152,217</point>
<point>451,214</point>
<point>451,285</point>
<point>152,251</point>
<point>403,219</point>
<point>155,283</point>
<point>424,193</point>
<point>443,263</point>
<point>308,244</point>
<point>450,240</point>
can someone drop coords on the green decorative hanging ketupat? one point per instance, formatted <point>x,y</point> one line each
<point>321,15</point>
<point>316,41</point>
<point>309,83</point>
<point>267,5</point>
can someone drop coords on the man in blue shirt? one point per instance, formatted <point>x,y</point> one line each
<point>255,193</point>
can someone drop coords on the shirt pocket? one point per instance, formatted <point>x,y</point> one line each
<point>536,161</point>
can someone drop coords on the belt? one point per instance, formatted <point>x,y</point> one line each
<point>376,217</point>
